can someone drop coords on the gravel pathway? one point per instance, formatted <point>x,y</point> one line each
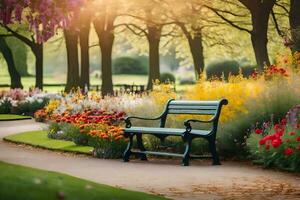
<point>232,180</point>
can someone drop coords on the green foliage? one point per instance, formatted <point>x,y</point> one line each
<point>75,135</point>
<point>66,131</point>
<point>5,106</point>
<point>107,149</point>
<point>273,103</point>
<point>167,78</point>
<point>29,107</point>
<point>20,183</point>
<point>175,144</point>
<point>248,70</point>
<point>128,65</point>
<point>221,68</point>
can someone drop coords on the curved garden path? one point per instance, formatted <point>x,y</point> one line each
<point>232,180</point>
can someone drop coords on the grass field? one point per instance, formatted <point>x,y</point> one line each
<point>117,79</point>
<point>40,139</point>
<point>24,183</point>
<point>9,117</point>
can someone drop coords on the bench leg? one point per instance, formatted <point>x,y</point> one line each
<point>127,152</point>
<point>213,150</point>
<point>141,146</point>
<point>186,155</point>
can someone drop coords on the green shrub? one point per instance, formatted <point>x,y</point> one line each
<point>73,133</point>
<point>128,65</point>
<point>248,70</point>
<point>5,106</point>
<point>273,103</point>
<point>218,69</point>
<point>167,78</point>
<point>29,107</point>
<point>61,131</point>
<point>107,149</point>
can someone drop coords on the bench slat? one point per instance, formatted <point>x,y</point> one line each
<point>200,103</point>
<point>201,112</point>
<point>164,131</point>
<point>192,107</point>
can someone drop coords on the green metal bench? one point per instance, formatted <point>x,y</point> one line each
<point>211,108</point>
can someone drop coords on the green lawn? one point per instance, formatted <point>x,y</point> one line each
<point>117,79</point>
<point>40,139</point>
<point>9,117</point>
<point>22,183</point>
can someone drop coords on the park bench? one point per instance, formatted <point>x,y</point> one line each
<point>210,108</point>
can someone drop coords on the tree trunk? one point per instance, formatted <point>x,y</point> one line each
<point>294,18</point>
<point>20,55</point>
<point>196,48</point>
<point>85,61</point>
<point>37,50</point>
<point>154,34</point>
<point>15,78</point>
<point>260,13</point>
<point>106,40</point>
<point>71,39</point>
<point>84,34</point>
<point>105,33</point>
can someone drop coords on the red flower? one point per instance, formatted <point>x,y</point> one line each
<point>258,131</point>
<point>283,121</point>
<point>269,137</point>
<point>288,151</point>
<point>287,140</point>
<point>276,143</point>
<point>267,147</point>
<point>277,127</point>
<point>292,133</point>
<point>277,135</point>
<point>262,142</point>
<point>298,138</point>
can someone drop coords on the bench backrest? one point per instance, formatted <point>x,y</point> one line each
<point>212,108</point>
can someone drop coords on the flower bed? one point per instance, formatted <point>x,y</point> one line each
<point>97,128</point>
<point>17,101</point>
<point>278,145</point>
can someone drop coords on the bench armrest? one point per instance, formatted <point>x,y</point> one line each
<point>128,122</point>
<point>188,126</point>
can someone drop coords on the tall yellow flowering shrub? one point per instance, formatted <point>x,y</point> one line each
<point>237,91</point>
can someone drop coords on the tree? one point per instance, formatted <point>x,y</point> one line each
<point>71,40</point>
<point>37,50</point>
<point>260,13</point>
<point>84,33</point>
<point>20,55</point>
<point>15,78</point>
<point>294,17</point>
<point>104,26</point>
<point>44,18</point>
<point>187,16</point>
<point>147,19</point>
